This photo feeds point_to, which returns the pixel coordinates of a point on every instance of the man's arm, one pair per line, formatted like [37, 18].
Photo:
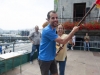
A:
[67, 38]
[30, 37]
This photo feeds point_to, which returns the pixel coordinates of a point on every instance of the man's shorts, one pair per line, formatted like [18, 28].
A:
[46, 66]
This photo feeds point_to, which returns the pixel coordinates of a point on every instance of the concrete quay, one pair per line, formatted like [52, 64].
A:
[78, 63]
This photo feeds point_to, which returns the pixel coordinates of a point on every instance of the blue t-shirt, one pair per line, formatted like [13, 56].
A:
[47, 50]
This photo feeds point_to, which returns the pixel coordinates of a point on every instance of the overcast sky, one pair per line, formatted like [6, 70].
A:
[23, 14]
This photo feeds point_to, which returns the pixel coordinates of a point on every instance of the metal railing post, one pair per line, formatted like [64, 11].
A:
[13, 47]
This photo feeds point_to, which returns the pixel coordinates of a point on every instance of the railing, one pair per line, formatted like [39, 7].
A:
[88, 19]
[12, 47]
[15, 55]
[20, 46]
[92, 44]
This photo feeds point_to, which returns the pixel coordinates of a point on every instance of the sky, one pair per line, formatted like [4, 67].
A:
[24, 14]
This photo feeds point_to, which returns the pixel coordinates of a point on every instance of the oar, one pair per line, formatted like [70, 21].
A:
[86, 14]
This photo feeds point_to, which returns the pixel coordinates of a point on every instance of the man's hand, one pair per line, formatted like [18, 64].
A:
[75, 29]
[32, 42]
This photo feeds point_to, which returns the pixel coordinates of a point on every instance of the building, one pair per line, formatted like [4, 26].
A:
[73, 11]
[24, 33]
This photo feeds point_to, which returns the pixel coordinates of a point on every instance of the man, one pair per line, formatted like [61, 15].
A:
[47, 51]
[35, 39]
[86, 42]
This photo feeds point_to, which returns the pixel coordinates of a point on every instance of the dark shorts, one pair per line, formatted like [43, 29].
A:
[46, 66]
[69, 46]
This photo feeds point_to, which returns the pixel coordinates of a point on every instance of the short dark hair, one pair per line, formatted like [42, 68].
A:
[48, 15]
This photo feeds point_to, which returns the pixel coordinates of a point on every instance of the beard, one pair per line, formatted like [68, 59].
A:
[55, 24]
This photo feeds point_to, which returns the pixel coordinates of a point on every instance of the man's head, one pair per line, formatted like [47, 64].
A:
[36, 28]
[86, 34]
[52, 18]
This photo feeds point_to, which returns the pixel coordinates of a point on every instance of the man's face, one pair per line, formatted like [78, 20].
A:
[36, 28]
[86, 34]
[53, 19]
